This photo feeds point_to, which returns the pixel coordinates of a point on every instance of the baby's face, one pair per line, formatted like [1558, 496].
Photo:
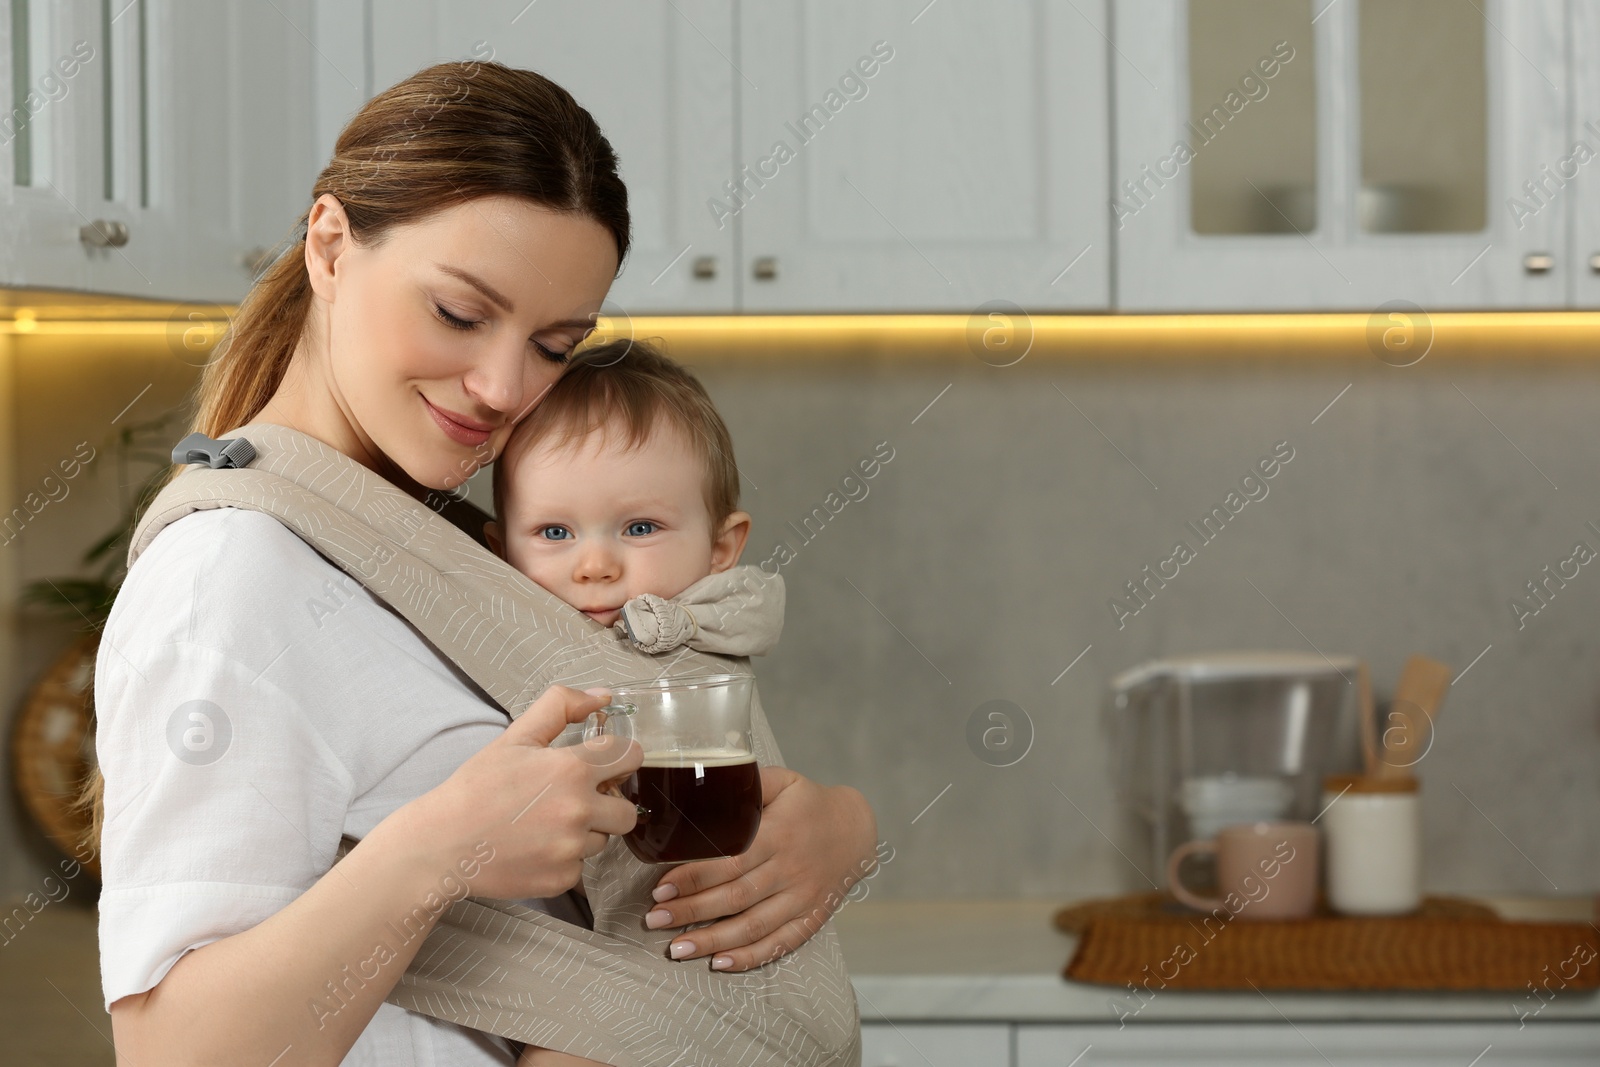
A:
[596, 525]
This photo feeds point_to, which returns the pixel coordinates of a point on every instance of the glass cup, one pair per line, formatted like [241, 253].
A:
[698, 791]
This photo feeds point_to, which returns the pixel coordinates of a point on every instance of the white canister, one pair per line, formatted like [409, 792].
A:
[1373, 830]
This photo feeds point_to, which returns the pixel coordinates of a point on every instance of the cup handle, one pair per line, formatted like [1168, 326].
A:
[614, 720]
[1175, 883]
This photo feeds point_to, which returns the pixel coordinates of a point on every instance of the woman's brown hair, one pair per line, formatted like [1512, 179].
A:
[448, 134]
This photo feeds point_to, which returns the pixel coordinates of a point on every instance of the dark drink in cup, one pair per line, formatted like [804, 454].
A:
[699, 789]
[699, 805]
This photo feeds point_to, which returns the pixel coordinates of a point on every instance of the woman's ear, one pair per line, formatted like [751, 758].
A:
[327, 235]
[491, 534]
[728, 545]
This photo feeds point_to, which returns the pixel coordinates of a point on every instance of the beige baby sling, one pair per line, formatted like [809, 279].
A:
[610, 994]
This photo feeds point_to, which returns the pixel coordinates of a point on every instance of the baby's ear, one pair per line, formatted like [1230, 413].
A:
[491, 534]
[729, 543]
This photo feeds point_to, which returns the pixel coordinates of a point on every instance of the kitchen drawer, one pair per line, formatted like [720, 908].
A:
[935, 1045]
[1435, 1044]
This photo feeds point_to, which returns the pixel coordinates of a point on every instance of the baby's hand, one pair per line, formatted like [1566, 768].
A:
[534, 1056]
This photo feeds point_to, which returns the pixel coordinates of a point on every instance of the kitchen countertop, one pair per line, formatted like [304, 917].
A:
[1001, 961]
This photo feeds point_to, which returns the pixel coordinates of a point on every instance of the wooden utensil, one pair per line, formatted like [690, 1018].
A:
[1369, 724]
[1408, 729]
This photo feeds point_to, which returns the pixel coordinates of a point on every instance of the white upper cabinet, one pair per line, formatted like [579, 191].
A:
[1578, 168]
[916, 156]
[152, 149]
[53, 152]
[1340, 154]
[656, 76]
[835, 156]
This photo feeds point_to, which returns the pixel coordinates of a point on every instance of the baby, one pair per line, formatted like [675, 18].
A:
[619, 494]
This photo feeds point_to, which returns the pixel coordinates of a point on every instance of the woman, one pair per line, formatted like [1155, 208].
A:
[459, 246]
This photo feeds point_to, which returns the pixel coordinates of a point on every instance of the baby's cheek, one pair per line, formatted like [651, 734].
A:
[541, 567]
[672, 569]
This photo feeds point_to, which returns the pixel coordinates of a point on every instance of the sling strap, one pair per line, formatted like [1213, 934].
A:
[609, 994]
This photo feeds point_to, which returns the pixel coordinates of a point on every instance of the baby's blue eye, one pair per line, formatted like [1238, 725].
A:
[641, 529]
[555, 533]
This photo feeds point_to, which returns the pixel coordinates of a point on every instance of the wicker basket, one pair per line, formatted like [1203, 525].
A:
[52, 748]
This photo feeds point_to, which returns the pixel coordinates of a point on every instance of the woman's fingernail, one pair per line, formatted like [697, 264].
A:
[658, 918]
[681, 949]
[664, 892]
[722, 963]
[598, 691]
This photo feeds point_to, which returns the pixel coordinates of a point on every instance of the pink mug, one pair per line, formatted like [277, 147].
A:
[1265, 870]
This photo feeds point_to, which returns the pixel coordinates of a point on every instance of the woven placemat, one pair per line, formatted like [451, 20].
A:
[1075, 918]
[1447, 945]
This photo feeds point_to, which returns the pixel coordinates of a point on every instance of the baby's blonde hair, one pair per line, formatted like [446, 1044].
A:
[633, 385]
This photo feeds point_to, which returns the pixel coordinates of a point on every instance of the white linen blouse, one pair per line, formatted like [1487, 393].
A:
[254, 703]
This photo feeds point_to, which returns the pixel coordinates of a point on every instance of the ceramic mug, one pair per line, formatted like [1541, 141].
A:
[1374, 828]
[1265, 870]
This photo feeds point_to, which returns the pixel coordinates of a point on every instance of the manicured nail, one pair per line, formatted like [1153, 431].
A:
[722, 963]
[681, 949]
[599, 691]
[658, 918]
[664, 892]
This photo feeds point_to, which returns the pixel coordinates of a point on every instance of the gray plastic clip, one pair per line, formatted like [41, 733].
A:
[198, 448]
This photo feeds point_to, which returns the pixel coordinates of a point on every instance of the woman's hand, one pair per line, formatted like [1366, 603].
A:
[518, 818]
[815, 842]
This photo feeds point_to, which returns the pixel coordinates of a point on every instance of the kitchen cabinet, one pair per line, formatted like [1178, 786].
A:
[152, 149]
[819, 156]
[658, 77]
[1416, 1044]
[922, 157]
[932, 976]
[934, 1044]
[1579, 167]
[1431, 1044]
[826, 156]
[1323, 155]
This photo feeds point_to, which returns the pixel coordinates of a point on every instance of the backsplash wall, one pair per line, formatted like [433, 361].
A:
[985, 557]
[1007, 506]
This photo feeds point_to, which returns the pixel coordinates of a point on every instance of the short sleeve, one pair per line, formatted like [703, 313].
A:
[254, 705]
[222, 806]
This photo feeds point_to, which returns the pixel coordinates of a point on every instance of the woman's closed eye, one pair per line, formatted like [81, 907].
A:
[456, 322]
[642, 528]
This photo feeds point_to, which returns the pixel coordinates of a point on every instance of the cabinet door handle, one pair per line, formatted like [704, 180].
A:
[1538, 262]
[705, 267]
[104, 233]
[765, 268]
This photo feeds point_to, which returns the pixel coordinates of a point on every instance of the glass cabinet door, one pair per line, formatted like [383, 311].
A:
[48, 145]
[1423, 82]
[1255, 167]
[150, 145]
[1339, 154]
[1575, 175]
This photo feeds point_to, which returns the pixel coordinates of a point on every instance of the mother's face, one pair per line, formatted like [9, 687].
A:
[442, 336]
